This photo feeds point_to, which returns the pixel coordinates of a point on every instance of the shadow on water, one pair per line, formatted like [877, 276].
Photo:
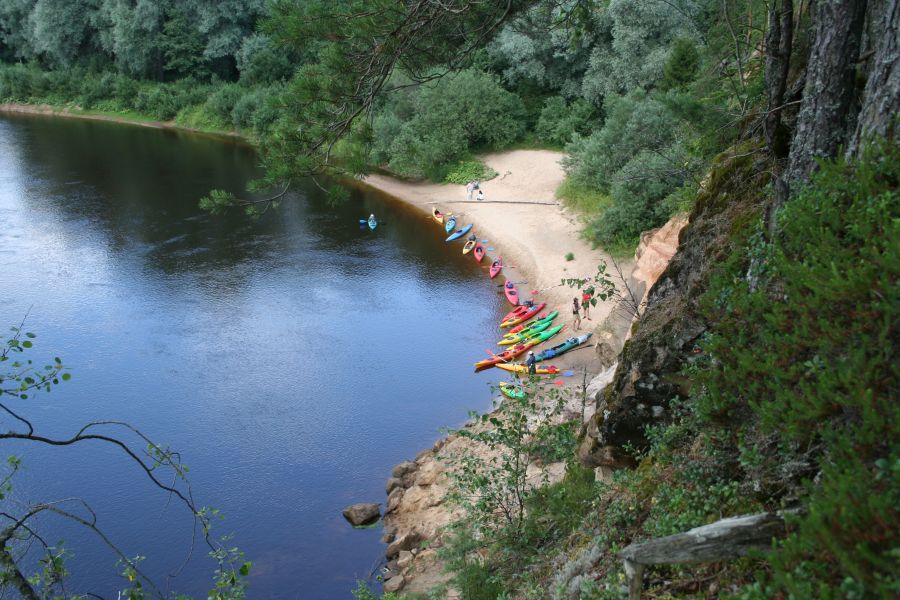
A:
[293, 359]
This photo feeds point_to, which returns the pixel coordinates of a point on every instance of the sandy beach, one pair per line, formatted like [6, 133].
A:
[527, 227]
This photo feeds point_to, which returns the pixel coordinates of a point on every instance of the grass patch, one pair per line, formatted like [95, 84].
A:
[587, 200]
[570, 256]
[467, 170]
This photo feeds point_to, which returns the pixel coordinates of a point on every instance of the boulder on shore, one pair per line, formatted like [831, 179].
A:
[361, 514]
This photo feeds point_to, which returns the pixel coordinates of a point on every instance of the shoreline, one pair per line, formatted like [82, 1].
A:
[533, 238]
[50, 110]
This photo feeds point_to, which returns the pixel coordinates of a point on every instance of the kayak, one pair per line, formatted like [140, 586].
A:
[511, 390]
[437, 215]
[496, 267]
[459, 233]
[468, 247]
[523, 368]
[525, 335]
[505, 356]
[478, 252]
[572, 342]
[516, 350]
[528, 331]
[373, 223]
[512, 294]
[526, 325]
[450, 224]
[522, 313]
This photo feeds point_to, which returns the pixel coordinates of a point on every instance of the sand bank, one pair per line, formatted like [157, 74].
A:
[532, 239]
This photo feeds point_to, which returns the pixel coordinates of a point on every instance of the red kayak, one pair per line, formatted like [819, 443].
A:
[496, 267]
[522, 313]
[478, 252]
[505, 356]
[512, 294]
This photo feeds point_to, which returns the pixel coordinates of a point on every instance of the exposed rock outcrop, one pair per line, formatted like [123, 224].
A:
[663, 340]
[362, 514]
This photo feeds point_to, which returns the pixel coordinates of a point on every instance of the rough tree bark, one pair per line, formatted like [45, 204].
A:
[881, 98]
[828, 93]
[779, 39]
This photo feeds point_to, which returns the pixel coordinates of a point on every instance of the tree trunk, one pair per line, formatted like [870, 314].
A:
[881, 98]
[822, 122]
[779, 39]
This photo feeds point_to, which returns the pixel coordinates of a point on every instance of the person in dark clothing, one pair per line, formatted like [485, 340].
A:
[530, 362]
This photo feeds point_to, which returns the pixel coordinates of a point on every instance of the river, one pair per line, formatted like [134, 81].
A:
[291, 359]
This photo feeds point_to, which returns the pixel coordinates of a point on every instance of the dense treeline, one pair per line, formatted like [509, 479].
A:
[638, 94]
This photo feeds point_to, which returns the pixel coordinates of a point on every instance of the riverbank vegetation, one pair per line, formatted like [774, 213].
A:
[771, 387]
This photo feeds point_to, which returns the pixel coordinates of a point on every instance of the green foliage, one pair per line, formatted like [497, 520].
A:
[682, 66]
[802, 340]
[364, 592]
[259, 61]
[441, 123]
[182, 47]
[559, 121]
[570, 256]
[494, 491]
[586, 200]
[469, 170]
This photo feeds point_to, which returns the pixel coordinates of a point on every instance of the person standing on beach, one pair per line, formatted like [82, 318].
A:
[470, 187]
[586, 304]
[576, 314]
[530, 363]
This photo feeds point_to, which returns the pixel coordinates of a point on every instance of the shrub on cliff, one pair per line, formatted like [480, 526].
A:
[802, 342]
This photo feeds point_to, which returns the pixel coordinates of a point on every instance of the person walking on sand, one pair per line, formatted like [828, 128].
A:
[586, 305]
[530, 363]
[576, 315]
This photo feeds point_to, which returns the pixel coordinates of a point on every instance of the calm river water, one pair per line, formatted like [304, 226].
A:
[292, 359]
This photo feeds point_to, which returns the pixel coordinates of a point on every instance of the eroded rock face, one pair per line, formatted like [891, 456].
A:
[405, 542]
[362, 514]
[648, 374]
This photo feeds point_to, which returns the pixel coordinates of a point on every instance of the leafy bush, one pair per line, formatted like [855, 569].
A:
[259, 61]
[469, 170]
[558, 121]
[442, 122]
[221, 103]
[634, 123]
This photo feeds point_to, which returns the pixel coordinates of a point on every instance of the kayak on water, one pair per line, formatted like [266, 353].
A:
[478, 252]
[496, 267]
[459, 233]
[511, 390]
[438, 215]
[523, 368]
[512, 294]
[450, 224]
[570, 343]
[522, 313]
[468, 247]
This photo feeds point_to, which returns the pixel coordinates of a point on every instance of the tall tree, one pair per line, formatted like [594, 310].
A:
[829, 90]
[881, 98]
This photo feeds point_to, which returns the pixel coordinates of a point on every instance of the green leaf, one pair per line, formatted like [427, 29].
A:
[66, 376]
[245, 568]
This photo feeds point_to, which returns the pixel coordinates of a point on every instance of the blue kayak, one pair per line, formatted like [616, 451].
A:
[572, 342]
[372, 223]
[459, 233]
[450, 224]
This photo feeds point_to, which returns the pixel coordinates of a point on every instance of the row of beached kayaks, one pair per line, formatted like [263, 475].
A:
[527, 325]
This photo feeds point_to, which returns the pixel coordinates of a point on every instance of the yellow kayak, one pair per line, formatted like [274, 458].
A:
[469, 245]
[521, 368]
